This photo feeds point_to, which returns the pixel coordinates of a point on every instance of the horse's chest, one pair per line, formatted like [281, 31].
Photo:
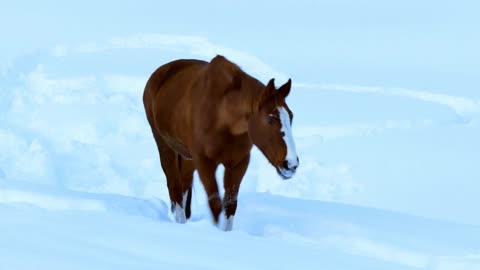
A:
[229, 149]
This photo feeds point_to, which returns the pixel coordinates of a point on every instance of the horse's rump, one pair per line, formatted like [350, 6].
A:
[167, 103]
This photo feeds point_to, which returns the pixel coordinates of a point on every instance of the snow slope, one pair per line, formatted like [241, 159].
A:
[46, 228]
[81, 188]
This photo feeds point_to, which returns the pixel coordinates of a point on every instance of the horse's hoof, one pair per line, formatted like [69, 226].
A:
[179, 214]
[228, 224]
[225, 224]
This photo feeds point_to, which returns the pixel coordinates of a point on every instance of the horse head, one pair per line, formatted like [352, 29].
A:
[270, 129]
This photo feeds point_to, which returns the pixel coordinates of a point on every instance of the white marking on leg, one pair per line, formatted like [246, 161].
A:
[179, 213]
[291, 157]
[184, 200]
[228, 224]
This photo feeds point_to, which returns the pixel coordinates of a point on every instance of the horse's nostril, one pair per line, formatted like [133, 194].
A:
[287, 166]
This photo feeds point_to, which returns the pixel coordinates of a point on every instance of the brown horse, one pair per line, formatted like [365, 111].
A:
[203, 114]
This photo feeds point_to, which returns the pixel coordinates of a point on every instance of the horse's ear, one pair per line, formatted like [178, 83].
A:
[269, 90]
[271, 84]
[284, 90]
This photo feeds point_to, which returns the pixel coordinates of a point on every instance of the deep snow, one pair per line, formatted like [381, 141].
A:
[45, 228]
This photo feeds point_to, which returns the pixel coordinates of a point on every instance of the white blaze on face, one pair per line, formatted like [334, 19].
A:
[291, 157]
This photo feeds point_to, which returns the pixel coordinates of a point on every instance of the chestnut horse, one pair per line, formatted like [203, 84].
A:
[203, 114]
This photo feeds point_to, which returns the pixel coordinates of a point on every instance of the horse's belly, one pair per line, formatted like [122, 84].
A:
[228, 150]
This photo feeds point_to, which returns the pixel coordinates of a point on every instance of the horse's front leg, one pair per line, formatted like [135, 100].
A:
[206, 171]
[232, 180]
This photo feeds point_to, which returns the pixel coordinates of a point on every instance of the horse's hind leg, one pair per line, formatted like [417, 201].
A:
[170, 166]
[168, 160]
[187, 168]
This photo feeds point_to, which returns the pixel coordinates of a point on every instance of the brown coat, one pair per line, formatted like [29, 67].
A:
[203, 114]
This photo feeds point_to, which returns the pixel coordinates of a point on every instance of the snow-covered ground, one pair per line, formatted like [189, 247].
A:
[51, 229]
[81, 185]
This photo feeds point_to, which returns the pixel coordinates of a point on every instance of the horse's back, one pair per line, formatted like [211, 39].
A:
[168, 71]
[171, 81]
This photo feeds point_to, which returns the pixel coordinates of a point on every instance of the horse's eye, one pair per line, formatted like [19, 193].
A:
[271, 119]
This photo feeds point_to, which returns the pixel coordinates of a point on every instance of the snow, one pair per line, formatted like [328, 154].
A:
[59, 229]
[386, 132]
[81, 188]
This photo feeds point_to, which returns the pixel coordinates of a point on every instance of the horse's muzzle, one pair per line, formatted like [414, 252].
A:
[285, 174]
[288, 169]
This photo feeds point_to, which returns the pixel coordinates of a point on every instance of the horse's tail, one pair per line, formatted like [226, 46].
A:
[188, 209]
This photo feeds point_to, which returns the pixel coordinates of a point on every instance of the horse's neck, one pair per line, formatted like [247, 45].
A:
[239, 126]
[236, 108]
[252, 95]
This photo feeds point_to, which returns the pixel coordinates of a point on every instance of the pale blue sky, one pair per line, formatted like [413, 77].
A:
[410, 142]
